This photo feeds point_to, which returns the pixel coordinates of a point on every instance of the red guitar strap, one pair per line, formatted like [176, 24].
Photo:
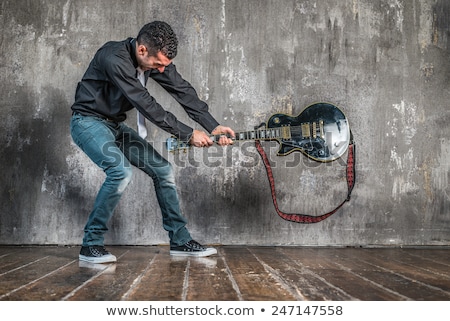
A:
[304, 218]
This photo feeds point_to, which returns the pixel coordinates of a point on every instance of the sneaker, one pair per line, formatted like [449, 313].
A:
[192, 248]
[96, 254]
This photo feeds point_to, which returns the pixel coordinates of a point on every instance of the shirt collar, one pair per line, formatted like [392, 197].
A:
[132, 42]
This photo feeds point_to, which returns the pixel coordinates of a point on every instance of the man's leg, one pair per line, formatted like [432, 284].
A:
[96, 137]
[142, 155]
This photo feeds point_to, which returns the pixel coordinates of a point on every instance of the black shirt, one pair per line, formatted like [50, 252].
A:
[110, 88]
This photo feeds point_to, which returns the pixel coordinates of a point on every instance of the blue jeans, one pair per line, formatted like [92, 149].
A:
[114, 147]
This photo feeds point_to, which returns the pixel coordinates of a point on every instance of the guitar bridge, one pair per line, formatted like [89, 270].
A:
[313, 129]
[321, 129]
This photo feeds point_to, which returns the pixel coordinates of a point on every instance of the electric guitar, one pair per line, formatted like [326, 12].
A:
[320, 131]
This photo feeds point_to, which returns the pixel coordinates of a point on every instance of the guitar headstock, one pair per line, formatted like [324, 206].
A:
[173, 145]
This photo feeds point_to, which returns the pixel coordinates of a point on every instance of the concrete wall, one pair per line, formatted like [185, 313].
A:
[385, 63]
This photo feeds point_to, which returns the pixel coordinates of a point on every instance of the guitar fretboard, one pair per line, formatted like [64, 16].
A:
[283, 132]
[305, 130]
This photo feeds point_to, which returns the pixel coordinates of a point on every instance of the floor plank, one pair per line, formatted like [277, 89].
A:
[163, 280]
[33, 267]
[252, 280]
[114, 282]
[302, 280]
[389, 261]
[237, 273]
[388, 280]
[209, 280]
[325, 267]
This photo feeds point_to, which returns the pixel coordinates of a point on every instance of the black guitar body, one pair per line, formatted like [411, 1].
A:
[320, 131]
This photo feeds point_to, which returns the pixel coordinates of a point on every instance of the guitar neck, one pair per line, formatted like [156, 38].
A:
[283, 132]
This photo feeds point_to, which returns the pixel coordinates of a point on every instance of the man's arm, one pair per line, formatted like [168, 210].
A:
[183, 92]
[122, 74]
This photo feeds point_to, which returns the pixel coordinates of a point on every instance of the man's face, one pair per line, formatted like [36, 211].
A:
[146, 62]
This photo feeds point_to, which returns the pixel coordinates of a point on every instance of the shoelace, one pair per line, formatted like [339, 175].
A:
[98, 251]
[195, 245]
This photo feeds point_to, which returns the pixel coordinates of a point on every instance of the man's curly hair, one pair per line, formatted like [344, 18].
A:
[158, 36]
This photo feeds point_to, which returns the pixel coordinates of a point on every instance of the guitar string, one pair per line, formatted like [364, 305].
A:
[245, 136]
[264, 135]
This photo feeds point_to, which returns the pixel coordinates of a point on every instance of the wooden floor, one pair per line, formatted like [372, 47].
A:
[236, 273]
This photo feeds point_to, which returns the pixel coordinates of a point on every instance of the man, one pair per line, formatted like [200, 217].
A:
[113, 84]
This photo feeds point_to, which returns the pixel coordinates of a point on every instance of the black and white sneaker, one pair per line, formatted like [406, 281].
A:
[96, 254]
[192, 248]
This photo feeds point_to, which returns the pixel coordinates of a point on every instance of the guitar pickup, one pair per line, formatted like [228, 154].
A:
[286, 132]
[306, 130]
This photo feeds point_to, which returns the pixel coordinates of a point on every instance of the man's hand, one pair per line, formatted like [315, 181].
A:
[227, 135]
[201, 139]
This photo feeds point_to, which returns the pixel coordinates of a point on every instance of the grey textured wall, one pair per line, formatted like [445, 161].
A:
[385, 63]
